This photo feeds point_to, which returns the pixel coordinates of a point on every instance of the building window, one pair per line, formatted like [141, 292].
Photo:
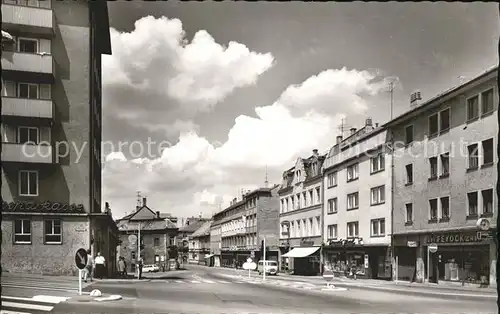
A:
[409, 173]
[53, 234]
[409, 134]
[352, 229]
[332, 232]
[26, 90]
[378, 195]
[433, 209]
[318, 195]
[28, 135]
[487, 201]
[472, 108]
[472, 204]
[433, 125]
[332, 179]
[352, 201]
[318, 223]
[473, 156]
[332, 205]
[22, 231]
[304, 196]
[27, 45]
[487, 151]
[487, 102]
[157, 242]
[352, 172]
[311, 197]
[378, 227]
[132, 255]
[445, 164]
[433, 167]
[377, 163]
[28, 183]
[444, 120]
[409, 213]
[157, 259]
[445, 208]
[298, 201]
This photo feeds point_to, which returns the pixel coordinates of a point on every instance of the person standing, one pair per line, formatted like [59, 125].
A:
[140, 267]
[121, 266]
[100, 262]
[89, 268]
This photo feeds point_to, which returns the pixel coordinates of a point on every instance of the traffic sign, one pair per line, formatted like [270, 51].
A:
[132, 238]
[249, 266]
[433, 247]
[81, 258]
[249, 260]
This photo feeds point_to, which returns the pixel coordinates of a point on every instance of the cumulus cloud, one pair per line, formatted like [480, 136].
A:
[157, 79]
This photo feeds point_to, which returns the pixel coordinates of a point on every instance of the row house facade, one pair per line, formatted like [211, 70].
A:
[445, 176]
[357, 204]
[215, 245]
[51, 104]
[300, 217]
[199, 245]
[244, 224]
[187, 227]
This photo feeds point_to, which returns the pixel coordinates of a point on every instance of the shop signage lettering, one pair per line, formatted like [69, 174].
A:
[305, 242]
[455, 238]
[348, 242]
[46, 206]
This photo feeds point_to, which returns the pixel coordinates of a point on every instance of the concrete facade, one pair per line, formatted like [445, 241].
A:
[440, 208]
[73, 36]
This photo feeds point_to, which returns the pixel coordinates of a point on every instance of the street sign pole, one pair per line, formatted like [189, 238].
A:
[81, 258]
[79, 281]
[428, 267]
[138, 256]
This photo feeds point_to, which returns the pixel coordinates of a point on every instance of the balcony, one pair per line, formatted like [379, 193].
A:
[37, 64]
[33, 20]
[27, 108]
[39, 154]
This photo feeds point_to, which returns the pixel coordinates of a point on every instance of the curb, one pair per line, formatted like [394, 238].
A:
[88, 298]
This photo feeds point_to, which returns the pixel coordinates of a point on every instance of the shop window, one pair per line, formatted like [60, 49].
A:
[409, 213]
[53, 231]
[487, 102]
[409, 174]
[445, 208]
[445, 164]
[377, 163]
[487, 201]
[433, 167]
[28, 183]
[473, 156]
[487, 151]
[409, 134]
[378, 195]
[472, 108]
[352, 201]
[433, 210]
[378, 227]
[22, 231]
[332, 179]
[332, 205]
[444, 120]
[332, 232]
[472, 204]
[352, 229]
[433, 125]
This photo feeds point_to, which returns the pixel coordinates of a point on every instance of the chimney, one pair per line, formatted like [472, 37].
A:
[415, 99]
[353, 130]
[368, 122]
[143, 201]
[158, 214]
[315, 152]
[376, 125]
[339, 139]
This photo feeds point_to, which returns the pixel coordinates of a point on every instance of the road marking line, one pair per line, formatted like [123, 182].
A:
[50, 298]
[195, 281]
[28, 306]
[179, 281]
[208, 281]
[34, 299]
[37, 288]
[12, 312]
[222, 281]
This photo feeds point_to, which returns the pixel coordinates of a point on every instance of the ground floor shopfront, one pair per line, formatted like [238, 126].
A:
[467, 256]
[348, 256]
[236, 258]
[301, 256]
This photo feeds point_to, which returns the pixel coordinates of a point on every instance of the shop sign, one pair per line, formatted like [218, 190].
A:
[346, 242]
[366, 261]
[46, 206]
[412, 244]
[455, 238]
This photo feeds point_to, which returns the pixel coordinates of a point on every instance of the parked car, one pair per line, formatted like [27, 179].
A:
[271, 267]
[150, 269]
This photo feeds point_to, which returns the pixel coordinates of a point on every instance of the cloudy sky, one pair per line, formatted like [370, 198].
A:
[219, 91]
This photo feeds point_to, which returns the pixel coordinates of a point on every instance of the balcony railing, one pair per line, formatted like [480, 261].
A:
[28, 19]
[28, 62]
[30, 108]
[14, 152]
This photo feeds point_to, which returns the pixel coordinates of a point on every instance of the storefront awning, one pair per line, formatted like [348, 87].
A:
[208, 256]
[301, 252]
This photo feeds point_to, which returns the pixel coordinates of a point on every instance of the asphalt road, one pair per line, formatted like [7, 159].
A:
[203, 290]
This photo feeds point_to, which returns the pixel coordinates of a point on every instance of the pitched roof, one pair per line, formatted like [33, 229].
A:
[192, 224]
[159, 224]
[204, 230]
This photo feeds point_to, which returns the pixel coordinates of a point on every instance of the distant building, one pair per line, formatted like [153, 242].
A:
[191, 224]
[199, 245]
[157, 237]
[301, 201]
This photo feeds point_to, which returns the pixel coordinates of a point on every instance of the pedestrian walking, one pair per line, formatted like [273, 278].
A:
[121, 266]
[89, 268]
[100, 263]
[140, 264]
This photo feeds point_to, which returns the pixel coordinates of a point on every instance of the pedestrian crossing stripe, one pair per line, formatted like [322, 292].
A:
[20, 305]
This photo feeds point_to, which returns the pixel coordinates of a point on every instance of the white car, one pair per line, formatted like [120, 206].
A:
[150, 269]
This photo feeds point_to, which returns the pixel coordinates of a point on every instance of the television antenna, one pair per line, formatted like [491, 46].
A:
[343, 127]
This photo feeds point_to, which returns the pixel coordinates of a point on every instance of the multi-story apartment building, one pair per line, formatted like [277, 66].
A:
[199, 245]
[444, 185]
[215, 245]
[188, 227]
[245, 223]
[157, 235]
[301, 199]
[357, 203]
[51, 134]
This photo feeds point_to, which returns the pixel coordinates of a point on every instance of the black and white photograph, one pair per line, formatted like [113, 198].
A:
[249, 157]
